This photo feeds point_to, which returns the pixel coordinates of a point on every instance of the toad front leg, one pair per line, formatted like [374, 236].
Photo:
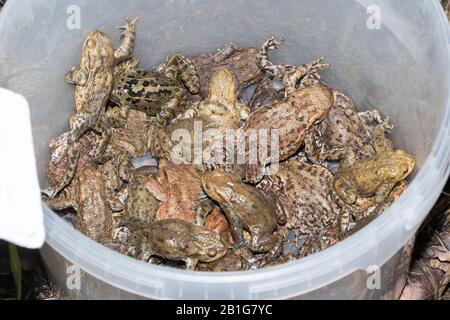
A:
[226, 52]
[171, 109]
[79, 123]
[374, 116]
[303, 75]
[128, 36]
[77, 76]
[274, 250]
[266, 243]
[237, 229]
[64, 201]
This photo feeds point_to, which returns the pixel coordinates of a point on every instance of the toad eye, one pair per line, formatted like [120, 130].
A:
[211, 252]
[91, 43]
[405, 170]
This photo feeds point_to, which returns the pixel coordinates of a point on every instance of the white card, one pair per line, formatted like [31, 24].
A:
[21, 217]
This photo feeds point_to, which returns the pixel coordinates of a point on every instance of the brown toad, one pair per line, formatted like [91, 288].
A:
[229, 262]
[304, 190]
[181, 240]
[209, 119]
[221, 105]
[376, 176]
[58, 166]
[179, 189]
[59, 161]
[365, 210]
[94, 216]
[247, 209]
[93, 82]
[241, 63]
[345, 128]
[320, 241]
[141, 205]
[128, 141]
[290, 120]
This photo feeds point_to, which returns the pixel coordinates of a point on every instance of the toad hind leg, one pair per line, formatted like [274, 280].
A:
[273, 253]
[181, 67]
[383, 192]
[374, 116]
[262, 57]
[73, 154]
[129, 66]
[128, 36]
[306, 74]
[168, 111]
[101, 152]
[113, 200]
[126, 168]
[237, 230]
[100, 147]
[203, 210]
[225, 53]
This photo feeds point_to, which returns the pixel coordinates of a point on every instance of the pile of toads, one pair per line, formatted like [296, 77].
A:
[239, 183]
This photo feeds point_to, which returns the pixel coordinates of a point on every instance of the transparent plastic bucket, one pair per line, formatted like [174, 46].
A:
[400, 66]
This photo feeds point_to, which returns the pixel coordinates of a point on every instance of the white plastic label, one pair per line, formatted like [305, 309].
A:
[21, 217]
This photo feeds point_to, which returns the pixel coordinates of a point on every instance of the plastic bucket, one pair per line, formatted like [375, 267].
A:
[385, 54]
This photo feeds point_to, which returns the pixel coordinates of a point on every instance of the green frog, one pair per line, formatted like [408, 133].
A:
[246, 208]
[157, 94]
